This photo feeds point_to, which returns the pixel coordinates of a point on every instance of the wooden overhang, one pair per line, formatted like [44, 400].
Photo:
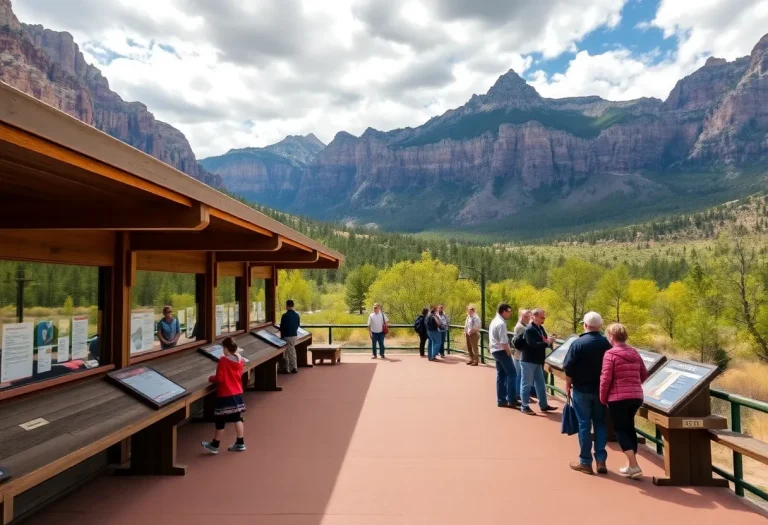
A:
[58, 173]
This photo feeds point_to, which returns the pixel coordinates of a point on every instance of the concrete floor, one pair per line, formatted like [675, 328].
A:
[395, 442]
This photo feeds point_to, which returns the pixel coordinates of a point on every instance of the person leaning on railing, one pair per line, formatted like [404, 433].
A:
[472, 335]
[621, 388]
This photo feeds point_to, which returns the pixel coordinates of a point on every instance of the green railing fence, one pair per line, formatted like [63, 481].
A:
[735, 402]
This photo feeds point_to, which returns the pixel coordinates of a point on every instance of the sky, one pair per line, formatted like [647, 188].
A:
[246, 73]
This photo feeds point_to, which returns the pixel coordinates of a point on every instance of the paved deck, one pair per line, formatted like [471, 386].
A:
[391, 443]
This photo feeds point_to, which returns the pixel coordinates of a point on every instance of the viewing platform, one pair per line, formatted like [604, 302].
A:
[396, 442]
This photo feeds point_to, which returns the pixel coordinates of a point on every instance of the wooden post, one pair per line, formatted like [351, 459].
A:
[244, 297]
[209, 302]
[265, 376]
[153, 450]
[123, 277]
[270, 297]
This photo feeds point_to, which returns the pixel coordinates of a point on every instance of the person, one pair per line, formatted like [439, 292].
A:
[168, 329]
[420, 327]
[377, 321]
[498, 341]
[583, 365]
[289, 329]
[433, 332]
[621, 388]
[523, 319]
[229, 397]
[532, 363]
[472, 335]
[443, 328]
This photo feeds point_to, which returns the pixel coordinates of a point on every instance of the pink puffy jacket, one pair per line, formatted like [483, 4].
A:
[623, 374]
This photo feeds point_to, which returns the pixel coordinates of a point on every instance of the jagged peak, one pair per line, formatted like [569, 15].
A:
[510, 83]
[714, 61]
[761, 46]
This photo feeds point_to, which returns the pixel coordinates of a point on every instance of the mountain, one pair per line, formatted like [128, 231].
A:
[49, 66]
[276, 169]
[514, 161]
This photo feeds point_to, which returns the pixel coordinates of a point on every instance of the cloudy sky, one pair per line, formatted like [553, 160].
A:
[236, 73]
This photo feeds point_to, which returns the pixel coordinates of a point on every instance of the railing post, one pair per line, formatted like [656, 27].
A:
[482, 347]
[659, 441]
[738, 467]
[330, 335]
[448, 340]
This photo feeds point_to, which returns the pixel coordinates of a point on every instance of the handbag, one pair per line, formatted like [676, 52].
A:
[570, 423]
[384, 322]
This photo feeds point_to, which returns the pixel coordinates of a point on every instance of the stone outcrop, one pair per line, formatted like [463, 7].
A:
[49, 66]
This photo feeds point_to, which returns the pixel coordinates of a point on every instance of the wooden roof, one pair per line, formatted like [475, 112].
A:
[59, 173]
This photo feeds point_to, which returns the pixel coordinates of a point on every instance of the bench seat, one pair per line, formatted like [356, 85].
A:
[742, 443]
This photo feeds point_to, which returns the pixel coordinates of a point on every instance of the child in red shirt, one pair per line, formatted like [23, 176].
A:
[229, 399]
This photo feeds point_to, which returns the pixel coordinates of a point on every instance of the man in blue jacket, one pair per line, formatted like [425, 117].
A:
[583, 364]
[289, 329]
[532, 363]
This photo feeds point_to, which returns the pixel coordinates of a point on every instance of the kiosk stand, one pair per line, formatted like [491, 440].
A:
[677, 402]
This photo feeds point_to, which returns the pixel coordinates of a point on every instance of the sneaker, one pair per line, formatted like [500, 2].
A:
[528, 411]
[502, 405]
[514, 404]
[210, 448]
[580, 467]
[469, 363]
[474, 364]
[631, 472]
[601, 468]
[374, 357]
[548, 409]
[237, 447]
[294, 371]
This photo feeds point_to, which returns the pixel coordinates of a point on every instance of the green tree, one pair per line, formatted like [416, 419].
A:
[293, 285]
[358, 283]
[670, 308]
[612, 293]
[575, 282]
[69, 306]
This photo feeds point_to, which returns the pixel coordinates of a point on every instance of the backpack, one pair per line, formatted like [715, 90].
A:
[518, 341]
[418, 325]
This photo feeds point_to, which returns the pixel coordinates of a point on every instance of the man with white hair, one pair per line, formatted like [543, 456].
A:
[583, 365]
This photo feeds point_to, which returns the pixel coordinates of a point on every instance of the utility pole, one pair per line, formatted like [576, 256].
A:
[21, 281]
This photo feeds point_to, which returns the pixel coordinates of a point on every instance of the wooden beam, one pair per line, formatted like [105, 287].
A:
[86, 216]
[92, 248]
[281, 256]
[240, 222]
[296, 245]
[204, 241]
[320, 265]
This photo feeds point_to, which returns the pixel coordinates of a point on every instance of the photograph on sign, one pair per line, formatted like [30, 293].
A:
[270, 338]
[148, 384]
[674, 382]
[557, 357]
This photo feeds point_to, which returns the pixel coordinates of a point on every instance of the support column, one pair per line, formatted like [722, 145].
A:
[244, 298]
[208, 317]
[270, 297]
[123, 277]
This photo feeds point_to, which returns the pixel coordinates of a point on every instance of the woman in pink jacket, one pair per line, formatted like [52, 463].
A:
[621, 388]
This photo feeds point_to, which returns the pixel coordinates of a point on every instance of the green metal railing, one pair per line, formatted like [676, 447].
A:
[736, 402]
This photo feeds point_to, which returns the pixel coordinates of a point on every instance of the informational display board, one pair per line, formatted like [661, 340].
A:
[44, 333]
[652, 360]
[5, 474]
[557, 357]
[62, 344]
[219, 318]
[191, 321]
[148, 384]
[142, 331]
[269, 337]
[302, 333]
[80, 337]
[215, 352]
[675, 382]
[17, 355]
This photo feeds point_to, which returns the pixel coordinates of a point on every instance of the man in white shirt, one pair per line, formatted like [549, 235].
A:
[377, 322]
[472, 335]
[506, 377]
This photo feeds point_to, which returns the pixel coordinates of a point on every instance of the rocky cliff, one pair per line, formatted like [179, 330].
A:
[49, 66]
[510, 150]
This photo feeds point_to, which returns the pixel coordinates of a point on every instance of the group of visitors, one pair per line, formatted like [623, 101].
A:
[603, 371]
[432, 328]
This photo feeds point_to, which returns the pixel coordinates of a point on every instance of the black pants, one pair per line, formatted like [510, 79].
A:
[623, 417]
[422, 342]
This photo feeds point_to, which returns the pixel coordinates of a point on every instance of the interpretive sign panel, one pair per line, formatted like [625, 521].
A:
[80, 337]
[215, 352]
[5, 474]
[17, 353]
[557, 357]
[652, 360]
[269, 337]
[148, 384]
[675, 382]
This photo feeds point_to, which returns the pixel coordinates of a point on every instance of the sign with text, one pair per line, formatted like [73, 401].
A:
[269, 337]
[557, 357]
[652, 360]
[216, 352]
[675, 382]
[302, 333]
[148, 384]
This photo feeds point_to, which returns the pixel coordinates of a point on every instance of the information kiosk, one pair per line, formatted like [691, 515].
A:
[216, 352]
[148, 385]
[555, 360]
[269, 337]
[677, 401]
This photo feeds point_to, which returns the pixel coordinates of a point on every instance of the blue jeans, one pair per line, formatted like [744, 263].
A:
[444, 336]
[506, 378]
[519, 382]
[533, 377]
[590, 412]
[435, 339]
[377, 337]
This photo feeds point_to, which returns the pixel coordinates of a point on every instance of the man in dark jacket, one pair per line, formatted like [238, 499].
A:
[532, 363]
[583, 364]
[420, 327]
[289, 329]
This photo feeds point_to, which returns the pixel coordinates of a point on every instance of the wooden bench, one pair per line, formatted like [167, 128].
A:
[331, 352]
[741, 443]
[89, 417]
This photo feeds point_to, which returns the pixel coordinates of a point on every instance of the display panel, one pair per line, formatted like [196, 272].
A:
[5, 474]
[269, 337]
[652, 360]
[675, 382]
[557, 357]
[148, 384]
[216, 352]
[302, 333]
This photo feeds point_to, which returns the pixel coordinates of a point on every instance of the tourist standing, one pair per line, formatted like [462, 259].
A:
[289, 329]
[168, 329]
[377, 325]
[583, 365]
[229, 397]
[621, 388]
[532, 363]
[523, 319]
[420, 327]
[472, 335]
[433, 332]
[506, 377]
[443, 328]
